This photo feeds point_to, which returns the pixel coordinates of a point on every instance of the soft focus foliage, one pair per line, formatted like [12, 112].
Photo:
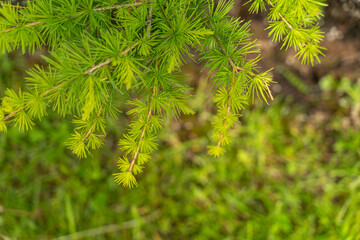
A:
[284, 178]
[289, 175]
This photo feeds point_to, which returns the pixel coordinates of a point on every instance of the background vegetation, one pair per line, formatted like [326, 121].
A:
[292, 173]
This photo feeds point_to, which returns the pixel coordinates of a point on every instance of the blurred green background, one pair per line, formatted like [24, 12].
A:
[293, 171]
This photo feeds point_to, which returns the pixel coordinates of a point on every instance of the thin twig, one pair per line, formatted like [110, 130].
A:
[52, 89]
[232, 64]
[93, 123]
[91, 70]
[20, 109]
[130, 48]
[282, 18]
[148, 29]
[108, 61]
[142, 133]
[117, 6]
[14, 112]
[15, 6]
[27, 25]
[235, 70]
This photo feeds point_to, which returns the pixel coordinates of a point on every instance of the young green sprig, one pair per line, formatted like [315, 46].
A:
[235, 76]
[294, 22]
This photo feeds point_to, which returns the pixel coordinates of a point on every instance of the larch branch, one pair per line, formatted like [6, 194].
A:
[108, 61]
[93, 123]
[282, 17]
[91, 70]
[117, 6]
[14, 112]
[20, 109]
[15, 6]
[235, 70]
[95, 9]
[148, 29]
[133, 160]
[252, 74]
[27, 25]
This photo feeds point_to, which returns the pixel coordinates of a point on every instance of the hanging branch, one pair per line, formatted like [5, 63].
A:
[229, 101]
[20, 109]
[282, 17]
[132, 163]
[235, 70]
[93, 123]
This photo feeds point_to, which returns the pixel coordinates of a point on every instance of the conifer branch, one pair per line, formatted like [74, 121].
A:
[27, 25]
[95, 9]
[252, 74]
[148, 29]
[15, 6]
[91, 70]
[52, 89]
[93, 123]
[108, 61]
[13, 113]
[282, 17]
[133, 160]
[130, 48]
[118, 6]
[235, 68]
[20, 109]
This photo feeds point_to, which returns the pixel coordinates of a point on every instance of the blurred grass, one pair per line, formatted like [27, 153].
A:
[292, 173]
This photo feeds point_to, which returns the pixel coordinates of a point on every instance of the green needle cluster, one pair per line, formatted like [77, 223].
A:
[295, 24]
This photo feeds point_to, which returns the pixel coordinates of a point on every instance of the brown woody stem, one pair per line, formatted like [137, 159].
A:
[118, 6]
[27, 25]
[15, 6]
